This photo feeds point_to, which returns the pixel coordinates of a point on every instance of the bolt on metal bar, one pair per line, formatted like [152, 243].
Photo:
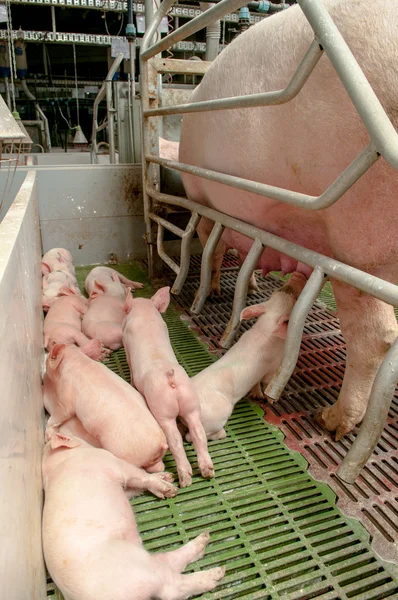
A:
[348, 177]
[240, 295]
[200, 22]
[295, 333]
[370, 284]
[296, 83]
[379, 126]
[205, 268]
[185, 253]
[372, 426]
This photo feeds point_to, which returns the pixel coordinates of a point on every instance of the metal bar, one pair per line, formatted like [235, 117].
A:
[53, 21]
[372, 426]
[100, 96]
[369, 108]
[298, 80]
[205, 268]
[46, 127]
[294, 86]
[348, 177]
[213, 14]
[376, 287]
[240, 295]
[165, 257]
[295, 333]
[185, 253]
[104, 125]
[167, 225]
[111, 122]
[174, 65]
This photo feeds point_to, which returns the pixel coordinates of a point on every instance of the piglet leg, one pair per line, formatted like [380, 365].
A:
[139, 480]
[185, 586]
[199, 440]
[176, 447]
[183, 556]
[94, 349]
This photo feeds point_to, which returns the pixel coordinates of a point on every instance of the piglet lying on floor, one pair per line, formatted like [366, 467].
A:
[164, 384]
[57, 259]
[104, 278]
[53, 283]
[108, 407]
[105, 314]
[255, 357]
[91, 544]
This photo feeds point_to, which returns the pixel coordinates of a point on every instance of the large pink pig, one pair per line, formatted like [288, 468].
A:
[107, 406]
[304, 145]
[164, 384]
[91, 544]
[104, 317]
[107, 280]
[254, 358]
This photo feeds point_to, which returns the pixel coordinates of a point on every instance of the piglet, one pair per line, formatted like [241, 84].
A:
[104, 317]
[103, 279]
[109, 409]
[52, 285]
[91, 544]
[164, 384]
[255, 357]
[57, 259]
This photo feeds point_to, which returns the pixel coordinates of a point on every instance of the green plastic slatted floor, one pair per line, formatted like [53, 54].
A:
[276, 529]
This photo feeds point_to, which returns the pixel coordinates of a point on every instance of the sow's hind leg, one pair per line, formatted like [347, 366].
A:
[369, 328]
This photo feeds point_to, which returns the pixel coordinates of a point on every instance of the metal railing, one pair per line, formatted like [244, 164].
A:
[105, 91]
[384, 142]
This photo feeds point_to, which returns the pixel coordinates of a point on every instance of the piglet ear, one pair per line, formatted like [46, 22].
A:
[60, 258]
[128, 302]
[65, 290]
[45, 268]
[162, 299]
[98, 287]
[115, 277]
[56, 355]
[46, 306]
[251, 312]
[280, 330]
[58, 440]
[93, 295]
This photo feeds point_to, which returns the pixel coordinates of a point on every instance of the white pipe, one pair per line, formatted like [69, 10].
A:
[213, 33]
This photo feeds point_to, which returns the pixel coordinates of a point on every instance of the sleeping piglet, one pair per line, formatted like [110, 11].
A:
[255, 357]
[108, 407]
[164, 384]
[91, 544]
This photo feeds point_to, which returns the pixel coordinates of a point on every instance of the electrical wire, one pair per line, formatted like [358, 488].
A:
[56, 93]
[121, 24]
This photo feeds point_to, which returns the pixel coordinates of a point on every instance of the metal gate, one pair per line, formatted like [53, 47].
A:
[384, 142]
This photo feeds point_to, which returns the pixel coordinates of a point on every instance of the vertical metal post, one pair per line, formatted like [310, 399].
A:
[185, 253]
[373, 424]
[295, 333]
[205, 268]
[240, 295]
[111, 123]
[53, 22]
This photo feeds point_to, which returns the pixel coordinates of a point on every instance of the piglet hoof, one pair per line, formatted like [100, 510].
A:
[160, 487]
[136, 285]
[213, 576]
[105, 354]
[166, 476]
[257, 391]
[341, 432]
[215, 289]
[201, 542]
[207, 470]
[185, 479]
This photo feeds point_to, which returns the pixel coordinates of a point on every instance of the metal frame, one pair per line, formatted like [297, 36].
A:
[384, 142]
[105, 92]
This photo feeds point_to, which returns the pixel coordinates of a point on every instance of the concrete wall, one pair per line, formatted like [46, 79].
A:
[91, 210]
[22, 574]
